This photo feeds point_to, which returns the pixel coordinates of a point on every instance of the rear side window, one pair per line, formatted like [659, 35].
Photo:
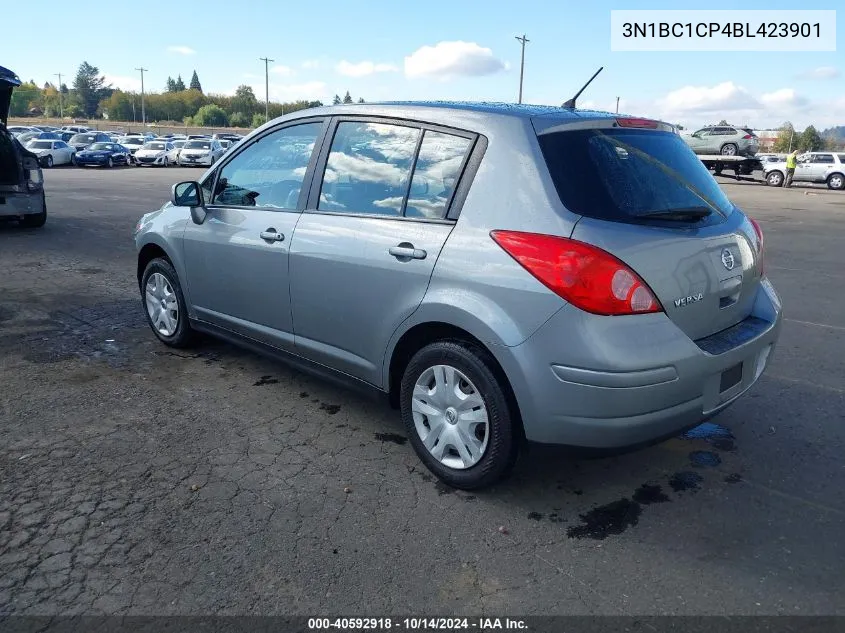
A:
[436, 173]
[368, 168]
[822, 158]
[624, 174]
[841, 158]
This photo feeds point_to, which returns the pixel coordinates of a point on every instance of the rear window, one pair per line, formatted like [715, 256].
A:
[624, 174]
[41, 145]
[84, 138]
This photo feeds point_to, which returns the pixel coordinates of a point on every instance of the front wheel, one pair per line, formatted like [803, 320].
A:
[110, 163]
[165, 305]
[456, 413]
[165, 162]
[836, 182]
[728, 149]
[774, 179]
[49, 161]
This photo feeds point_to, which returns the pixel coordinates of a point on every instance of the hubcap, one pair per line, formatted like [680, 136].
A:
[836, 182]
[450, 417]
[162, 306]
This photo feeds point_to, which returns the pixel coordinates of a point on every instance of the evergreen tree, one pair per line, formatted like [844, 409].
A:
[171, 85]
[360, 99]
[179, 85]
[90, 88]
[195, 82]
[336, 100]
[811, 140]
[347, 98]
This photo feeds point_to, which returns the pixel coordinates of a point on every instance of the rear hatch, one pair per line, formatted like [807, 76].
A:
[647, 199]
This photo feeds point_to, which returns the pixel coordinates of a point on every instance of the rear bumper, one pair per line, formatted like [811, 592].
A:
[19, 204]
[612, 382]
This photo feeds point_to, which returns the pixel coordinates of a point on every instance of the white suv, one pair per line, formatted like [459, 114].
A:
[822, 167]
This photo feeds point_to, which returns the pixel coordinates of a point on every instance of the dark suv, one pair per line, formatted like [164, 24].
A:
[21, 180]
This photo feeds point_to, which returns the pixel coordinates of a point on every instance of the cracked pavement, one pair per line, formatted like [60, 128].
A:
[139, 480]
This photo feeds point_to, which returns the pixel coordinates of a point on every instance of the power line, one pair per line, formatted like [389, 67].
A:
[143, 110]
[522, 40]
[266, 87]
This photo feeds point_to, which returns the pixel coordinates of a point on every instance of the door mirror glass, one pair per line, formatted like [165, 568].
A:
[186, 194]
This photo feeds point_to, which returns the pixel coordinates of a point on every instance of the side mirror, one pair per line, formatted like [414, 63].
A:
[189, 194]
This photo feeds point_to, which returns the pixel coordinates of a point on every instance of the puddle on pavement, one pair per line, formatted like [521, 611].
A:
[704, 459]
[391, 437]
[265, 380]
[609, 519]
[649, 493]
[685, 481]
[718, 436]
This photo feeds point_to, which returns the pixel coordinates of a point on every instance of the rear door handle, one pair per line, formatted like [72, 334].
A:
[406, 251]
[271, 235]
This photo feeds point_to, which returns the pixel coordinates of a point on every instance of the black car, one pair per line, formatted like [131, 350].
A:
[21, 181]
[105, 154]
[81, 141]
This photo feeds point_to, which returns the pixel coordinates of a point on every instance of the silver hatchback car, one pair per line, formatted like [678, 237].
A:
[503, 273]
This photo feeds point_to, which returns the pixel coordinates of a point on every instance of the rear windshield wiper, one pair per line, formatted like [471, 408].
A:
[684, 214]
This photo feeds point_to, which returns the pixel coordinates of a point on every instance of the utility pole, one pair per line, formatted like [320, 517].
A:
[143, 110]
[266, 87]
[522, 40]
[617, 105]
[61, 108]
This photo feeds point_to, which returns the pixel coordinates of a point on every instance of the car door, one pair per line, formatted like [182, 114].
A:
[237, 260]
[803, 168]
[819, 166]
[365, 247]
[698, 139]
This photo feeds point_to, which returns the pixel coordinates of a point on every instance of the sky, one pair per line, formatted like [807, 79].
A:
[457, 49]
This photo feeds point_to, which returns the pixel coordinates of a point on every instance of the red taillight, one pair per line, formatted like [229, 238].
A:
[585, 276]
[640, 123]
[759, 232]
[747, 136]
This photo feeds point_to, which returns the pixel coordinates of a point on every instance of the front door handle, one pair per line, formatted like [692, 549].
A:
[406, 251]
[271, 235]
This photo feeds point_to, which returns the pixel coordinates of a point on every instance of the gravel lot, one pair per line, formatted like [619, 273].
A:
[138, 480]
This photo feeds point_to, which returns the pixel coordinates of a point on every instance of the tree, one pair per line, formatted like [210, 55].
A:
[723, 122]
[211, 115]
[179, 85]
[239, 119]
[24, 97]
[360, 99]
[347, 97]
[90, 88]
[171, 85]
[811, 140]
[258, 120]
[336, 100]
[195, 82]
[244, 101]
[785, 141]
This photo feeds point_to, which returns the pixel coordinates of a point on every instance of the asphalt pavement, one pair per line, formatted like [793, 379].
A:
[135, 479]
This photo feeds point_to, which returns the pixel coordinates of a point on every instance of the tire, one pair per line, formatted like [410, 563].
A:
[774, 179]
[181, 335]
[165, 162]
[34, 221]
[471, 368]
[49, 161]
[728, 149]
[110, 163]
[836, 182]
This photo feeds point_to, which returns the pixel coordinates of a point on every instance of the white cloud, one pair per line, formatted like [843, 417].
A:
[284, 71]
[362, 69]
[783, 98]
[311, 64]
[181, 50]
[708, 100]
[127, 84]
[822, 72]
[445, 60]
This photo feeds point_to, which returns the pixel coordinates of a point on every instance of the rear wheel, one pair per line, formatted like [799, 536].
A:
[728, 149]
[49, 161]
[774, 179]
[836, 181]
[457, 415]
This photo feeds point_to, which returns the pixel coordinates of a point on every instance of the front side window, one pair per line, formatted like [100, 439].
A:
[270, 172]
[436, 172]
[368, 168]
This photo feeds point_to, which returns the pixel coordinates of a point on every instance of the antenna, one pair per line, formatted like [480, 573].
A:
[571, 103]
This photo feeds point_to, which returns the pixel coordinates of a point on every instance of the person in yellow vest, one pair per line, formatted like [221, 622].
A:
[791, 163]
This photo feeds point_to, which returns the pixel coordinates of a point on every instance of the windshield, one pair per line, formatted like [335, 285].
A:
[101, 146]
[84, 138]
[197, 145]
[156, 146]
[133, 141]
[178, 144]
[41, 145]
[622, 174]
